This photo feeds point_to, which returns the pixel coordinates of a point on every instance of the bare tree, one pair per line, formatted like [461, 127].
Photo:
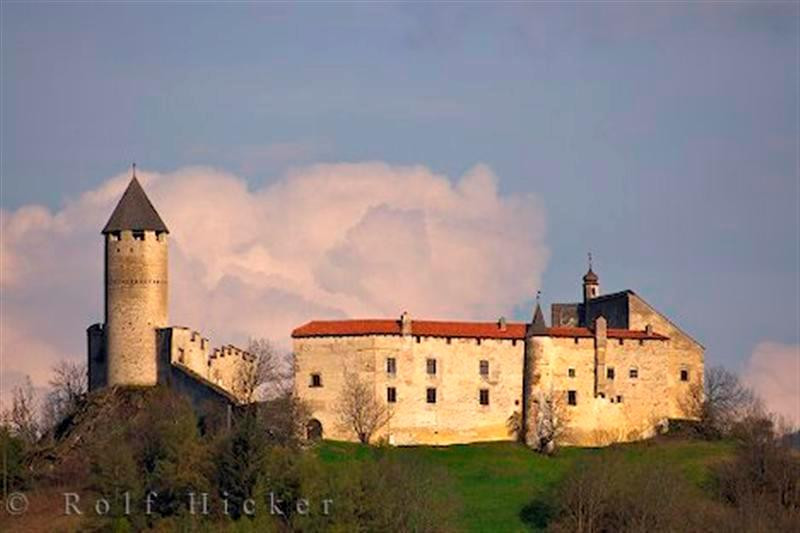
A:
[262, 376]
[22, 417]
[67, 387]
[359, 410]
[719, 402]
[552, 419]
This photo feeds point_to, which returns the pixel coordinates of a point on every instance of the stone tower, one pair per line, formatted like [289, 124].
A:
[136, 297]
[591, 284]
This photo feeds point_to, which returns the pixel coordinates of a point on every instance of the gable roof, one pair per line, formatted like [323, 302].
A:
[435, 328]
[134, 212]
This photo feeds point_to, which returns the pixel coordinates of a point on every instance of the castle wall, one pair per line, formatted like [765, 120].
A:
[188, 348]
[224, 367]
[97, 361]
[136, 304]
[457, 415]
[599, 420]
[682, 353]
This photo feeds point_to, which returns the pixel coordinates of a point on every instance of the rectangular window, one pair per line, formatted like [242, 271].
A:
[610, 372]
[431, 395]
[391, 394]
[316, 380]
[684, 375]
[571, 372]
[478, 341]
[419, 339]
[513, 342]
[576, 340]
[619, 399]
[484, 368]
[449, 340]
[484, 397]
[572, 397]
[391, 365]
[431, 365]
[633, 373]
[180, 355]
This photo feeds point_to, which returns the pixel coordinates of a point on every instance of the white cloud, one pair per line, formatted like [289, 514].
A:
[333, 240]
[773, 371]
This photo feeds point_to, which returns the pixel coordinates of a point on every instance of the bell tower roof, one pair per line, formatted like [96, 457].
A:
[134, 211]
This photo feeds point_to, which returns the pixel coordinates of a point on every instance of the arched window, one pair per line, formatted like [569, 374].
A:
[314, 429]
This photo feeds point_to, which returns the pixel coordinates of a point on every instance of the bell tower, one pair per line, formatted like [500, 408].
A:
[591, 283]
[136, 295]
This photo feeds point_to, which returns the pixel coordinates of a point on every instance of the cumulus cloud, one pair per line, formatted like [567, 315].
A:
[330, 240]
[773, 371]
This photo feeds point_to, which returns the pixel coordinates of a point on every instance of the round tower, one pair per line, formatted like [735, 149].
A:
[136, 298]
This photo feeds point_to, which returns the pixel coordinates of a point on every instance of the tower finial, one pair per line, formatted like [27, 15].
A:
[538, 296]
[134, 169]
[590, 260]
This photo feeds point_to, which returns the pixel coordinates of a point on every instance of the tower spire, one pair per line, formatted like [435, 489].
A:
[134, 177]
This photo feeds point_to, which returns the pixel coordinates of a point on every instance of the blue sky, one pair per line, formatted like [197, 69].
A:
[662, 137]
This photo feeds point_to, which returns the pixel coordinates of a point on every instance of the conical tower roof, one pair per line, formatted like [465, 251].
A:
[135, 212]
[538, 326]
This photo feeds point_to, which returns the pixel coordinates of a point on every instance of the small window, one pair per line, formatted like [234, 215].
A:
[431, 395]
[684, 375]
[449, 340]
[115, 236]
[484, 368]
[484, 397]
[571, 372]
[619, 398]
[391, 394]
[633, 373]
[419, 339]
[316, 380]
[641, 342]
[572, 397]
[576, 340]
[180, 355]
[621, 342]
[431, 365]
[391, 365]
[138, 235]
[513, 342]
[610, 372]
[478, 341]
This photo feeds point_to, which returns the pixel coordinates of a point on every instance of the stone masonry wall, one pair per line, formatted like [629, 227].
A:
[457, 415]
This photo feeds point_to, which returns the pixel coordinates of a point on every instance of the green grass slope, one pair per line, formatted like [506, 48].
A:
[498, 485]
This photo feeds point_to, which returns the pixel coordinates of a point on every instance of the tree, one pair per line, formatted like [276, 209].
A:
[67, 386]
[359, 410]
[719, 402]
[552, 419]
[22, 418]
[262, 376]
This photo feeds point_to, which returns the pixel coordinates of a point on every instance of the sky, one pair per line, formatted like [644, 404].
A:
[322, 161]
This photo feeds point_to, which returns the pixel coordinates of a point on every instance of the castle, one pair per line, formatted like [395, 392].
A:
[135, 346]
[616, 369]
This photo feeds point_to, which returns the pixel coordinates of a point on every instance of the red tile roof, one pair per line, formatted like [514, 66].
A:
[432, 328]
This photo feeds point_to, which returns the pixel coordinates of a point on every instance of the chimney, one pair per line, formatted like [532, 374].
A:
[501, 323]
[648, 329]
[405, 323]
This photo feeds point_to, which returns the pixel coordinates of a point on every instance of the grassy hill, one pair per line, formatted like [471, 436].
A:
[506, 487]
